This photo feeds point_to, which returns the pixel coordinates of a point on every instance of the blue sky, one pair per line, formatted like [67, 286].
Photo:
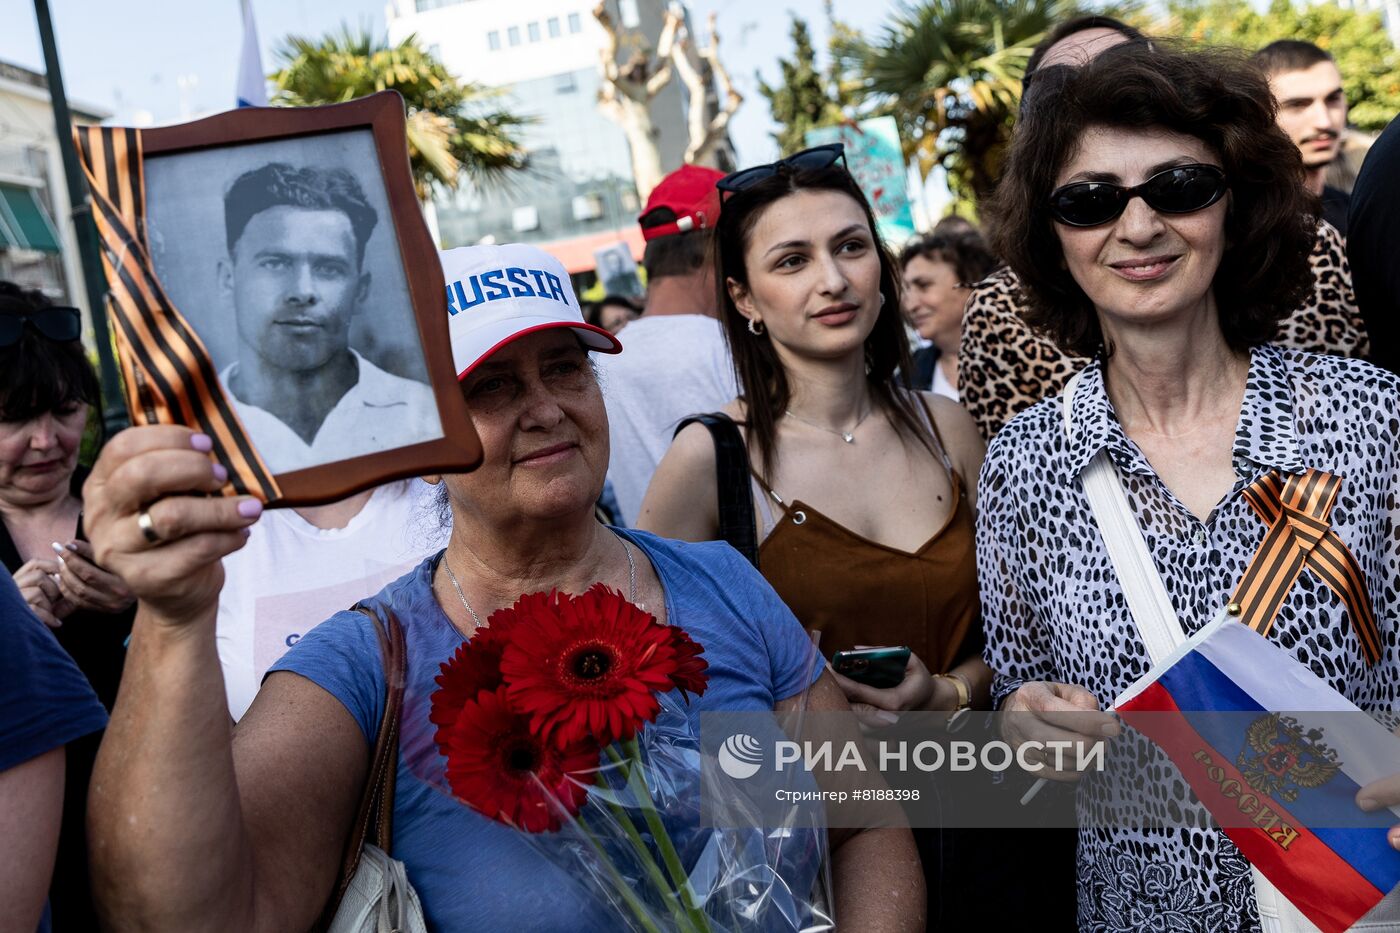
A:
[170, 60]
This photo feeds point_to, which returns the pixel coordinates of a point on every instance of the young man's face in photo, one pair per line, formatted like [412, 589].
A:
[296, 285]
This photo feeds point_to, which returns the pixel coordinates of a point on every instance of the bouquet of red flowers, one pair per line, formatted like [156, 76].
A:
[556, 718]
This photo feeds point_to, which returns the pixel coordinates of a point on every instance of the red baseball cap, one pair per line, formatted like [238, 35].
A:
[690, 193]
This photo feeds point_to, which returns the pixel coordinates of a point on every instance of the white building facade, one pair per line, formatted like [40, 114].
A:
[38, 248]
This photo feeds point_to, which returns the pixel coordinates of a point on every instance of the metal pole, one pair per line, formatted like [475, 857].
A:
[89, 249]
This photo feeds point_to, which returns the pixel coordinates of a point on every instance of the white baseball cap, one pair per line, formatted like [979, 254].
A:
[496, 294]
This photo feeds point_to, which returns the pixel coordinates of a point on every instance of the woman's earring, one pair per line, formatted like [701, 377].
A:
[756, 327]
[882, 299]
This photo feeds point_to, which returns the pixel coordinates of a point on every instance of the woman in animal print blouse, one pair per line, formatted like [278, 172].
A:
[1156, 220]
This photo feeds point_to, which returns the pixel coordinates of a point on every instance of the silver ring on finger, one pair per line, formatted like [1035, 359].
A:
[148, 530]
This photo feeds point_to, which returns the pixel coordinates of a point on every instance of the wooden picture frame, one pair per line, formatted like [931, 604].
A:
[309, 199]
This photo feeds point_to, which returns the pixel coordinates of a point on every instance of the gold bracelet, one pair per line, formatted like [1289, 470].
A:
[963, 688]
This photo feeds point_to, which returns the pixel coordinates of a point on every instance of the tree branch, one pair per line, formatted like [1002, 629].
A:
[705, 134]
[604, 18]
[665, 52]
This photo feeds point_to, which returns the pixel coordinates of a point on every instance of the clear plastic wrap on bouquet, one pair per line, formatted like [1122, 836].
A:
[641, 830]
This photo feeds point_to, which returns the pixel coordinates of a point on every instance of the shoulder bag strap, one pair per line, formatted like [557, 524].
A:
[1148, 603]
[374, 820]
[736, 515]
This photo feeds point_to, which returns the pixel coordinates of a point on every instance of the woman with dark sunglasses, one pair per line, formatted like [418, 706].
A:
[1156, 219]
[47, 390]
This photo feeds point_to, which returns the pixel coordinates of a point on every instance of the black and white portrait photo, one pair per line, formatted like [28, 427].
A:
[618, 270]
[282, 256]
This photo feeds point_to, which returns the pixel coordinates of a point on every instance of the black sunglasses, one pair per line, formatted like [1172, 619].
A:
[1179, 190]
[808, 160]
[56, 323]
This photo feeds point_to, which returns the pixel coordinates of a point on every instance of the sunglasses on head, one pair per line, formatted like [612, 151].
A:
[808, 160]
[1179, 190]
[60, 324]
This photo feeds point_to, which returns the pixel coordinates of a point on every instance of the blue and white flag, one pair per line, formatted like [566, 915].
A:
[252, 85]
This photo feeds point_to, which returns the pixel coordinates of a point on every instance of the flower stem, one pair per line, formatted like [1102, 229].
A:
[644, 856]
[669, 855]
[620, 883]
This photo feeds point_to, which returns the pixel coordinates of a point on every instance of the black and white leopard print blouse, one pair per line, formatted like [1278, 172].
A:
[1054, 610]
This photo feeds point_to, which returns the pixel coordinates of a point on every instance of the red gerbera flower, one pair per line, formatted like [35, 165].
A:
[591, 667]
[474, 667]
[503, 769]
[690, 676]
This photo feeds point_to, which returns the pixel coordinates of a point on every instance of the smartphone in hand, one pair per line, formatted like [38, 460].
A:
[874, 667]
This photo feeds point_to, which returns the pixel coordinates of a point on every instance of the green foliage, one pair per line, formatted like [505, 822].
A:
[805, 97]
[454, 127]
[949, 71]
[1368, 61]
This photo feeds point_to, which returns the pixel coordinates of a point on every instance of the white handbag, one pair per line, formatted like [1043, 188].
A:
[1152, 612]
[379, 898]
[374, 895]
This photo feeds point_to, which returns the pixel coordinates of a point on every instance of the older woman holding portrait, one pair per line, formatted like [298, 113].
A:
[1156, 218]
[250, 822]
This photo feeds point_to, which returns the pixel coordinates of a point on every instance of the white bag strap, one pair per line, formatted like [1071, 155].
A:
[1148, 603]
[1152, 612]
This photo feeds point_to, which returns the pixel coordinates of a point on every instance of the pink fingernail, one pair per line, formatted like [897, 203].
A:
[202, 443]
[220, 472]
[250, 508]
[1395, 838]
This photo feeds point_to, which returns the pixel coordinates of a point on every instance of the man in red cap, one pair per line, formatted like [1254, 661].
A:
[675, 362]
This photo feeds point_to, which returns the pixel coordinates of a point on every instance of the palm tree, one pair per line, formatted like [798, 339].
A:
[950, 71]
[454, 127]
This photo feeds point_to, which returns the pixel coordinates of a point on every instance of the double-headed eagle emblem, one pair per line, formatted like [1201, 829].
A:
[1286, 759]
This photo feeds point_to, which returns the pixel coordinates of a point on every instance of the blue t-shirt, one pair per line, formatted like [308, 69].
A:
[471, 872]
[45, 701]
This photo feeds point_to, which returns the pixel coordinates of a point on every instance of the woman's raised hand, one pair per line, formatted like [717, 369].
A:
[172, 564]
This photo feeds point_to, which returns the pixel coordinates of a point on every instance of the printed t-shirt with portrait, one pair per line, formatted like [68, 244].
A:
[291, 575]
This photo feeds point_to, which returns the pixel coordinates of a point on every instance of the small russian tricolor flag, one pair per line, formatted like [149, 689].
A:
[1281, 785]
[252, 84]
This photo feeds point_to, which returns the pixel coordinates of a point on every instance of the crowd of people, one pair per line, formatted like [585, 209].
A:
[800, 435]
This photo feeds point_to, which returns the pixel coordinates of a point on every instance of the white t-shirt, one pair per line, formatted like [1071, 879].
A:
[671, 366]
[291, 576]
[941, 385]
[380, 412]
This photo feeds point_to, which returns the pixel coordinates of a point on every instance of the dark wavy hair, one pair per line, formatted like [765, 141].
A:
[277, 183]
[1071, 26]
[37, 374]
[1211, 95]
[762, 379]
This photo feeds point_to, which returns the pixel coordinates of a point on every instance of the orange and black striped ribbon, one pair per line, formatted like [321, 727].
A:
[169, 377]
[1297, 510]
